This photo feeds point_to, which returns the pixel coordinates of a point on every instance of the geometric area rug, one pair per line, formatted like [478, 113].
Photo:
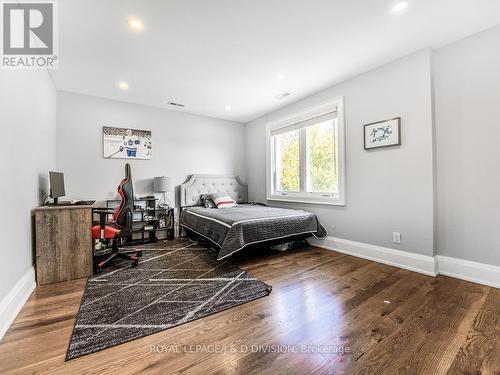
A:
[175, 283]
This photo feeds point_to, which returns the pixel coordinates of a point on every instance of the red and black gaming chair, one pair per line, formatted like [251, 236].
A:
[121, 225]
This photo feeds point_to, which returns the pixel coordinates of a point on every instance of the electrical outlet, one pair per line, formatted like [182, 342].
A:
[396, 237]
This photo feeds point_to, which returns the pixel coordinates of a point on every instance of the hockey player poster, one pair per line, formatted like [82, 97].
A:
[126, 143]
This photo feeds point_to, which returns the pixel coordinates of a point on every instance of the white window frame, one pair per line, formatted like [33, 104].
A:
[334, 105]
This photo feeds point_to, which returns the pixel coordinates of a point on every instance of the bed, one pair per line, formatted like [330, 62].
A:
[233, 229]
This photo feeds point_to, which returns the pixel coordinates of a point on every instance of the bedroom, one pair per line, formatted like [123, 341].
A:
[405, 277]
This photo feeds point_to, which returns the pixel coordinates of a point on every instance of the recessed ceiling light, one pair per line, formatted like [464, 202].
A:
[227, 107]
[399, 7]
[280, 76]
[123, 85]
[135, 24]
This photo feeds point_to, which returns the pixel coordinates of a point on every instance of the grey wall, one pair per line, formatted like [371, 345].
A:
[467, 90]
[388, 189]
[182, 144]
[28, 126]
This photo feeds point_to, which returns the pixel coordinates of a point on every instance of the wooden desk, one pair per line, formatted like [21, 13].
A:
[63, 243]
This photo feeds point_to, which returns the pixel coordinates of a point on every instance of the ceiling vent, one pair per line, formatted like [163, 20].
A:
[283, 95]
[176, 104]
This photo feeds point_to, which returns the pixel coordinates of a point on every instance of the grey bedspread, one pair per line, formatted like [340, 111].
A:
[232, 229]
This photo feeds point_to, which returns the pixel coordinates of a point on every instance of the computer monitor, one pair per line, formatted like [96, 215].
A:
[56, 185]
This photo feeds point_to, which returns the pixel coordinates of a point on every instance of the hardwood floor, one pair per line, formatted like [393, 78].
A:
[388, 321]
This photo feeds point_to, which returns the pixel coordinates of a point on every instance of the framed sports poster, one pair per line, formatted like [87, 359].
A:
[126, 143]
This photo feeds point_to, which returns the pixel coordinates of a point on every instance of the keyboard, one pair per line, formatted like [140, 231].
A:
[72, 203]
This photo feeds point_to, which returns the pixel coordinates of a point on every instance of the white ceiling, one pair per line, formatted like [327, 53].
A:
[209, 54]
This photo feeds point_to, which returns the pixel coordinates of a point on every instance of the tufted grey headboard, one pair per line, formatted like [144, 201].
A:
[199, 184]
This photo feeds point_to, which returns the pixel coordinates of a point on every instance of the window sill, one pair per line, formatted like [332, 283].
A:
[306, 200]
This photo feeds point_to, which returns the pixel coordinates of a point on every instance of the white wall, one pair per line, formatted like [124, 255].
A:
[388, 189]
[28, 126]
[182, 144]
[467, 91]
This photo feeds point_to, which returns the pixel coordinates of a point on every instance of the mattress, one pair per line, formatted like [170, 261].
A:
[233, 229]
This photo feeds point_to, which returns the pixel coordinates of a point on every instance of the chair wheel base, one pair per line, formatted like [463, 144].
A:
[135, 263]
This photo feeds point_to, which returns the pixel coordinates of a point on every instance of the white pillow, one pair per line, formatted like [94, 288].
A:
[223, 200]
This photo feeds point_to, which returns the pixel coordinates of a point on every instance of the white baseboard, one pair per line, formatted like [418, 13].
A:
[470, 271]
[475, 272]
[15, 300]
[392, 257]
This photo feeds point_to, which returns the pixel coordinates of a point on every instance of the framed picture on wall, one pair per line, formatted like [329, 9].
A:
[382, 133]
[126, 143]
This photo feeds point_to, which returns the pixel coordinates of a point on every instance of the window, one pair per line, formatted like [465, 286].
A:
[305, 156]
[287, 161]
